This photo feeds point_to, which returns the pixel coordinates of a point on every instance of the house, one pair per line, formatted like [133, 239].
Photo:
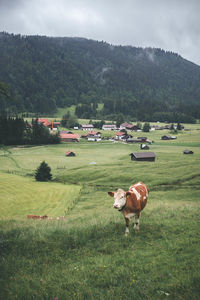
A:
[130, 127]
[143, 156]
[109, 127]
[126, 126]
[70, 153]
[96, 134]
[87, 127]
[188, 152]
[144, 147]
[50, 124]
[120, 135]
[69, 137]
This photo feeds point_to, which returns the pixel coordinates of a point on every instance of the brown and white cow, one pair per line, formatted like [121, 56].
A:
[131, 202]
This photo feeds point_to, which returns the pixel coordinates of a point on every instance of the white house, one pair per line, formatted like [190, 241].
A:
[109, 127]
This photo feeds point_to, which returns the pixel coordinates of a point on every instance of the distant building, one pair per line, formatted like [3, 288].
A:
[144, 147]
[188, 152]
[120, 135]
[69, 137]
[126, 126]
[168, 137]
[109, 127]
[87, 127]
[50, 124]
[143, 156]
[70, 153]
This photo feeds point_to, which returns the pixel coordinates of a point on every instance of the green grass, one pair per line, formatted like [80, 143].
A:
[87, 256]
[19, 197]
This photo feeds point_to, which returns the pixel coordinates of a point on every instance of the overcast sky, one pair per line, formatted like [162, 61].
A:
[173, 25]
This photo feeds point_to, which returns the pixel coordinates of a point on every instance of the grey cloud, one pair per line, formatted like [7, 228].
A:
[172, 25]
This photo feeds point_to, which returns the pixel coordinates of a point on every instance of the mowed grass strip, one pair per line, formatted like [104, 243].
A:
[21, 196]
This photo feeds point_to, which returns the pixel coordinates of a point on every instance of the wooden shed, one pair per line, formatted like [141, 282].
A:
[70, 153]
[143, 156]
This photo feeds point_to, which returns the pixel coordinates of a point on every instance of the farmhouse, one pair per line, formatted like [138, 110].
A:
[87, 127]
[96, 134]
[70, 153]
[69, 137]
[143, 156]
[120, 135]
[50, 124]
[126, 126]
[109, 127]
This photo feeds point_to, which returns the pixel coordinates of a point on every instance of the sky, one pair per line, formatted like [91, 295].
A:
[172, 25]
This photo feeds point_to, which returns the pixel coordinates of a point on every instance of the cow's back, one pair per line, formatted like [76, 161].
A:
[138, 196]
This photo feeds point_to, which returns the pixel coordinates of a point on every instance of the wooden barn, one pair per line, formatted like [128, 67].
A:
[143, 156]
[70, 153]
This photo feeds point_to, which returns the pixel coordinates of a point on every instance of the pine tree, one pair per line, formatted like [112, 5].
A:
[43, 172]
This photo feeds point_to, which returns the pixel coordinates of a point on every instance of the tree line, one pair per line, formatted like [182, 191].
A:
[16, 131]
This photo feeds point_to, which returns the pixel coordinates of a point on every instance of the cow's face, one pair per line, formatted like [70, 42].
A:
[119, 198]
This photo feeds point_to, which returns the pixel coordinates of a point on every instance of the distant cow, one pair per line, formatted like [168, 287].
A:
[131, 202]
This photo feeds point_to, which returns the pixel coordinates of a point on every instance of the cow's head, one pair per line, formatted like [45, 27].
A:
[119, 198]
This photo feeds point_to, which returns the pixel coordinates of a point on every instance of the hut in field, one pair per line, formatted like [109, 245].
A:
[143, 156]
[168, 137]
[70, 153]
[188, 152]
[144, 147]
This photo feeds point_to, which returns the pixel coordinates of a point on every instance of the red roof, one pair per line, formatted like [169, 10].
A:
[69, 136]
[120, 133]
[68, 152]
[92, 132]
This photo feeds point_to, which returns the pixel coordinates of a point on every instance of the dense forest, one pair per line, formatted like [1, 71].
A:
[44, 73]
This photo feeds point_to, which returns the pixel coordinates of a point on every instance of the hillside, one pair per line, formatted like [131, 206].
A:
[45, 73]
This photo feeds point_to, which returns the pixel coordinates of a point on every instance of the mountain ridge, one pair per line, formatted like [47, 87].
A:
[49, 72]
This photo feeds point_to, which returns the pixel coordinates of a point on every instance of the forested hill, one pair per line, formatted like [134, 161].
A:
[45, 73]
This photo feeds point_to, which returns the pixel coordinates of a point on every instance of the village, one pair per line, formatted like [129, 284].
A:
[125, 133]
[119, 133]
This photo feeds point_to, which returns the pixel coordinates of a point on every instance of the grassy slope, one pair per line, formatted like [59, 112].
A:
[87, 255]
[22, 196]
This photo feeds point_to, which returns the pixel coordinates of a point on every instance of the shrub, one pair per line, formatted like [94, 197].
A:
[43, 172]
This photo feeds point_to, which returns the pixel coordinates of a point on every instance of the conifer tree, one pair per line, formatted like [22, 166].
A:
[43, 172]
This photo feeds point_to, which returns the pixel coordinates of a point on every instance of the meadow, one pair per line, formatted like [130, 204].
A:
[86, 255]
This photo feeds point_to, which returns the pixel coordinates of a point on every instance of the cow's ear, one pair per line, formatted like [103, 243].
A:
[127, 193]
[111, 194]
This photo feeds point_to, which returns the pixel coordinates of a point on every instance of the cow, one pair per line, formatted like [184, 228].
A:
[131, 203]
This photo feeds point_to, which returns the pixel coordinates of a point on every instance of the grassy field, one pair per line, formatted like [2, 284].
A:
[86, 255]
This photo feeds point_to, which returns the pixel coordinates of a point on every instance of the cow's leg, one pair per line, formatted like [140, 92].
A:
[127, 226]
[137, 220]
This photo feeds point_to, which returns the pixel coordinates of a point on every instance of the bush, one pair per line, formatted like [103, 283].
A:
[146, 127]
[43, 172]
